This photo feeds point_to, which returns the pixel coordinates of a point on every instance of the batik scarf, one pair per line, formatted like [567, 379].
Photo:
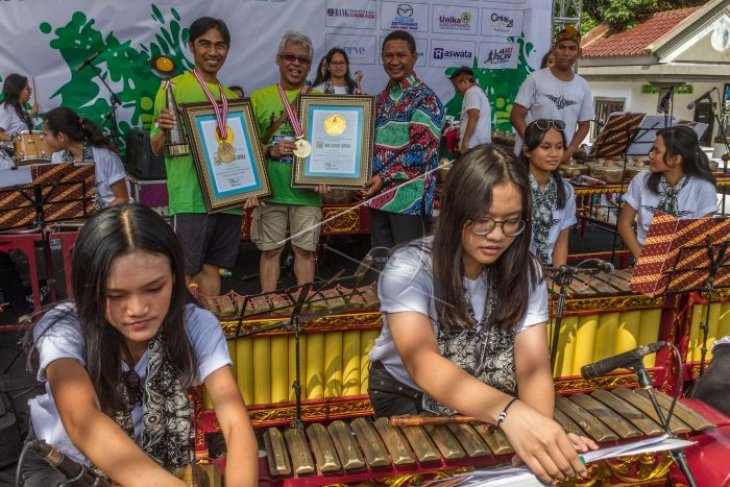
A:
[543, 205]
[670, 194]
[484, 351]
[87, 157]
[168, 413]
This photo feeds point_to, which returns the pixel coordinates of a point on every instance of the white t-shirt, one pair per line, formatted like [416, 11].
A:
[108, 169]
[546, 96]
[562, 219]
[697, 199]
[339, 90]
[406, 284]
[475, 98]
[64, 340]
[11, 123]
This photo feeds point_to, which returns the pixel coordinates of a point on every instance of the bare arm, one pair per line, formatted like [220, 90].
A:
[230, 411]
[471, 126]
[540, 442]
[95, 434]
[626, 220]
[560, 251]
[120, 192]
[517, 116]
[532, 364]
[580, 134]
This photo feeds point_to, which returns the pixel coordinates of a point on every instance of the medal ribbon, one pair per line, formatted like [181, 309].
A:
[220, 116]
[293, 119]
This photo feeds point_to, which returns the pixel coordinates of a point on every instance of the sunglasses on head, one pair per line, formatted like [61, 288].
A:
[290, 58]
[544, 124]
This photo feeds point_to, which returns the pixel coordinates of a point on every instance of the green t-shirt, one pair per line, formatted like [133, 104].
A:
[183, 186]
[267, 107]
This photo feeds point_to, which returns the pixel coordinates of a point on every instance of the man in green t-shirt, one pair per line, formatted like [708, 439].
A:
[209, 241]
[299, 210]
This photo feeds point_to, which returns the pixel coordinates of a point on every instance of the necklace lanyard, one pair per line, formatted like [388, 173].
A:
[293, 119]
[220, 116]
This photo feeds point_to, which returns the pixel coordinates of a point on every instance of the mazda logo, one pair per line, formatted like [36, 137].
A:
[405, 9]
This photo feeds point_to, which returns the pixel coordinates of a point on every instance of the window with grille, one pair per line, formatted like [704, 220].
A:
[604, 107]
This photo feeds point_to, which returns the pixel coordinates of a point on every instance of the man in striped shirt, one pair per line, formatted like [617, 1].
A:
[408, 122]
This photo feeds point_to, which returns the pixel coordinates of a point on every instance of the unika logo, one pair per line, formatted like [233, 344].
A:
[499, 56]
[452, 21]
[405, 10]
[441, 53]
[502, 20]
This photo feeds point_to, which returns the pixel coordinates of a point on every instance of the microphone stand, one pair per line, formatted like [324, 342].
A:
[112, 115]
[562, 277]
[645, 383]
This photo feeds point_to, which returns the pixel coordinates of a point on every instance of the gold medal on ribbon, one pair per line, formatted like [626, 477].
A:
[226, 151]
[302, 148]
[334, 124]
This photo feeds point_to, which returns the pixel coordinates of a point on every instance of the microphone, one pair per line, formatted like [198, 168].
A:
[82, 476]
[622, 360]
[89, 60]
[691, 105]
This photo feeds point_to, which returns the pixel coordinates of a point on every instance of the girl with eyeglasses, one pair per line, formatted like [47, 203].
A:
[553, 199]
[333, 75]
[118, 362]
[679, 182]
[465, 315]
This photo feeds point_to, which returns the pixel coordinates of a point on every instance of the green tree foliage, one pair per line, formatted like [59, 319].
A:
[626, 13]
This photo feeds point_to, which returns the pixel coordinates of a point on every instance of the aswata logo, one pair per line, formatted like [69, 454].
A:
[499, 56]
[502, 21]
[351, 13]
[441, 53]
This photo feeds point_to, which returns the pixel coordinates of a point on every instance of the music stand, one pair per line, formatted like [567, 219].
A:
[616, 135]
[680, 256]
[58, 192]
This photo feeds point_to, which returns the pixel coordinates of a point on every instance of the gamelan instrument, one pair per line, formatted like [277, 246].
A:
[30, 147]
[367, 448]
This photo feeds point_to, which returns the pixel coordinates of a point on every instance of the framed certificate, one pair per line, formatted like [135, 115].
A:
[340, 132]
[231, 169]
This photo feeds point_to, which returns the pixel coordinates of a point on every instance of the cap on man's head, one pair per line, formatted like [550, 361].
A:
[569, 33]
[462, 70]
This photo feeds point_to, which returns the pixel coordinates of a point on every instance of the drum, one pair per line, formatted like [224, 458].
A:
[31, 148]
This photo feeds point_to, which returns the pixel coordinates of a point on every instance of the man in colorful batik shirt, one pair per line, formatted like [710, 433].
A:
[408, 123]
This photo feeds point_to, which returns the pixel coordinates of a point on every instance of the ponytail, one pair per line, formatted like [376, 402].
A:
[76, 128]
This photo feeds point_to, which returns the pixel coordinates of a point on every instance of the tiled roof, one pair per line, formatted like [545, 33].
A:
[635, 41]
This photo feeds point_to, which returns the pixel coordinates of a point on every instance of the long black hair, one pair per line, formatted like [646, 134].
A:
[466, 197]
[533, 138]
[351, 84]
[66, 121]
[13, 86]
[114, 232]
[682, 141]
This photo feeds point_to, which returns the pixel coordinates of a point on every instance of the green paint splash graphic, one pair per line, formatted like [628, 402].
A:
[125, 68]
[501, 85]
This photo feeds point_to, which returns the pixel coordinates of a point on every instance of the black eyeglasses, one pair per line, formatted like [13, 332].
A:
[485, 225]
[290, 58]
[545, 124]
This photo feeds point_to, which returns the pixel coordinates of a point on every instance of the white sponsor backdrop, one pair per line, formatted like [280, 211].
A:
[47, 39]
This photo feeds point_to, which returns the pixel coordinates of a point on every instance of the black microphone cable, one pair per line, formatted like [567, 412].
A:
[21, 460]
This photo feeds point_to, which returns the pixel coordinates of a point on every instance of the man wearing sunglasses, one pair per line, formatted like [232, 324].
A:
[299, 210]
[408, 122]
[556, 93]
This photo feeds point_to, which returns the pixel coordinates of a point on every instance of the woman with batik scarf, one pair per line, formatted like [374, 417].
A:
[75, 139]
[553, 199]
[679, 182]
[119, 360]
[465, 315]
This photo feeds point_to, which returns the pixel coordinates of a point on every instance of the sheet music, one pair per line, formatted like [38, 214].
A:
[15, 177]
[522, 477]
